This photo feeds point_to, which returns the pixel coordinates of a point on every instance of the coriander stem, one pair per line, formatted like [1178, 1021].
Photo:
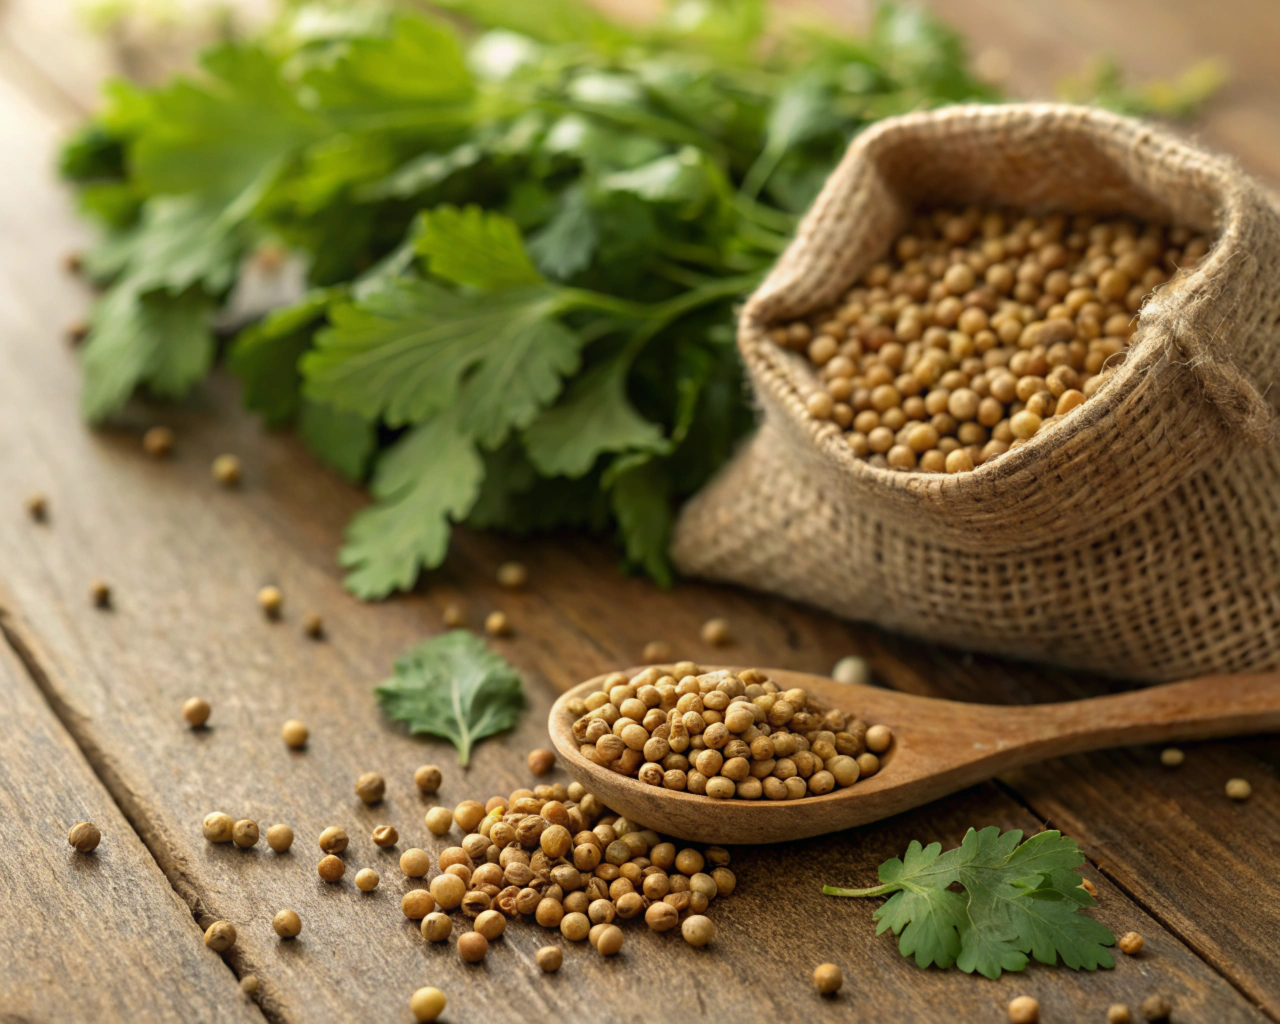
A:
[879, 890]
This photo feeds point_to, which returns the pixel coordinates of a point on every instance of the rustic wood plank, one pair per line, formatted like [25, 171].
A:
[100, 936]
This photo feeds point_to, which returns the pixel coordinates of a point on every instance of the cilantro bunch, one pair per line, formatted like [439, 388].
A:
[522, 229]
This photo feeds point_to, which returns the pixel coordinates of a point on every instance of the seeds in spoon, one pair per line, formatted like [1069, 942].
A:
[84, 836]
[427, 1004]
[371, 787]
[280, 838]
[294, 734]
[288, 924]
[196, 711]
[878, 738]
[828, 979]
[220, 936]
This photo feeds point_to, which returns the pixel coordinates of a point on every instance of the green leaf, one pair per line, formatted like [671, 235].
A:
[595, 417]
[682, 178]
[453, 687]
[640, 498]
[567, 242]
[1018, 899]
[474, 248]
[343, 440]
[423, 172]
[265, 356]
[426, 480]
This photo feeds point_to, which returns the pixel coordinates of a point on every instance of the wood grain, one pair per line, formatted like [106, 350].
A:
[99, 936]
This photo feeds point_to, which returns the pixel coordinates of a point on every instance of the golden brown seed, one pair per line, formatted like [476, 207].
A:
[280, 838]
[1089, 887]
[828, 979]
[439, 820]
[427, 778]
[1130, 943]
[609, 941]
[496, 624]
[1155, 1008]
[1239, 789]
[512, 575]
[333, 840]
[541, 761]
[715, 633]
[158, 442]
[196, 711]
[1023, 1010]
[1118, 1013]
[226, 470]
[427, 1004]
[448, 890]
[436, 927]
[220, 936]
[245, 833]
[270, 600]
[385, 835]
[656, 651]
[331, 868]
[84, 836]
[468, 814]
[878, 738]
[218, 827]
[549, 958]
[37, 507]
[313, 625]
[417, 904]
[100, 594]
[1171, 757]
[453, 616]
[415, 863]
[371, 787]
[249, 985]
[288, 924]
[367, 879]
[294, 734]
[491, 924]
[698, 930]
[472, 947]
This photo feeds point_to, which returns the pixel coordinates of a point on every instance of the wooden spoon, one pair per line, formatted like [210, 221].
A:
[939, 747]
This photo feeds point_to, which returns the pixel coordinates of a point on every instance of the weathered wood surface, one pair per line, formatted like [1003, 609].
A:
[87, 937]
[185, 560]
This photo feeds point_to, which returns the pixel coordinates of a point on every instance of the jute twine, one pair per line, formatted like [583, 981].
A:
[1139, 536]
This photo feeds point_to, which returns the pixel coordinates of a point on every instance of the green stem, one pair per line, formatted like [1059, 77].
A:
[879, 890]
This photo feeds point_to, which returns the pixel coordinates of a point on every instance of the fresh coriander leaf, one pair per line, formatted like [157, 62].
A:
[681, 177]
[343, 440]
[595, 417]
[474, 248]
[1018, 899]
[265, 356]
[453, 687]
[640, 498]
[567, 242]
[423, 172]
[426, 480]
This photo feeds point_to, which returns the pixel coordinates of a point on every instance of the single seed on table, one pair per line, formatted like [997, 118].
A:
[226, 470]
[698, 930]
[245, 833]
[333, 840]
[415, 863]
[439, 820]
[1130, 943]
[878, 738]
[84, 836]
[427, 778]
[1239, 789]
[1118, 1013]
[656, 651]
[270, 600]
[367, 879]
[1171, 757]
[220, 936]
[371, 787]
[512, 575]
[294, 734]
[427, 1004]
[575, 926]
[77, 331]
[100, 594]
[436, 927]
[490, 924]
[288, 924]
[196, 711]
[1155, 1008]
[549, 958]
[541, 761]
[331, 868]
[496, 624]
[472, 946]
[1023, 1010]
[249, 985]
[453, 617]
[280, 838]
[158, 442]
[385, 835]
[851, 670]
[827, 978]
[715, 633]
[38, 507]
[1089, 887]
[218, 827]
[313, 625]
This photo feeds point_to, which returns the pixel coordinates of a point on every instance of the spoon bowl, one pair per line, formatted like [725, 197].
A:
[939, 747]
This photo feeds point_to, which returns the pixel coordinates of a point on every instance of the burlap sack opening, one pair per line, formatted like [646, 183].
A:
[1139, 536]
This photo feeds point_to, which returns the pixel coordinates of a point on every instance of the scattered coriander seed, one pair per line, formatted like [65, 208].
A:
[333, 840]
[698, 930]
[1155, 1007]
[1130, 943]
[385, 835]
[244, 833]
[295, 734]
[331, 868]
[436, 927]
[280, 838]
[73, 262]
[158, 442]
[371, 787]
[715, 633]
[490, 924]
[100, 594]
[439, 820]
[1171, 757]
[472, 946]
[249, 985]
[270, 600]
[453, 616]
[609, 942]
[417, 904]
[1239, 789]
[218, 827]
[541, 761]
[1118, 1013]
[512, 575]
[575, 926]
[661, 917]
[656, 651]
[878, 738]
[38, 507]
[549, 958]
[77, 331]
[497, 625]
[220, 936]
[84, 836]
[468, 814]
[288, 924]
[415, 863]
[448, 890]
[1089, 887]
[313, 625]
[226, 470]
[828, 979]
[427, 1004]
[367, 879]
[196, 711]
[427, 778]
[1023, 1010]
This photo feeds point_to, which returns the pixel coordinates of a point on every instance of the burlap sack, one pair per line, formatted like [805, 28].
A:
[1139, 536]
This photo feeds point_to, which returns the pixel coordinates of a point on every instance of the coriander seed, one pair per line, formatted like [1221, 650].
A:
[280, 838]
[1118, 1013]
[448, 890]
[1155, 1007]
[1130, 943]
[294, 734]
[427, 1004]
[226, 470]
[1023, 1010]
[288, 924]
[100, 594]
[1089, 887]
[331, 868]
[1239, 789]
[196, 711]
[220, 936]
[512, 575]
[828, 979]
[367, 879]
[244, 833]
[715, 633]
[541, 761]
[1171, 757]
[851, 670]
[218, 827]
[313, 625]
[415, 863]
[490, 923]
[656, 651]
[371, 787]
[472, 946]
[333, 840]
[878, 738]
[575, 926]
[436, 927]
[549, 958]
[609, 941]
[37, 506]
[496, 624]
[385, 835]
[84, 836]
[270, 600]
[249, 985]
[427, 778]
[417, 904]
[698, 930]
[158, 442]
[453, 617]
[468, 814]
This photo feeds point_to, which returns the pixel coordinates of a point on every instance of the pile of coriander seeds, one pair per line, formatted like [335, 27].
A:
[723, 735]
[980, 330]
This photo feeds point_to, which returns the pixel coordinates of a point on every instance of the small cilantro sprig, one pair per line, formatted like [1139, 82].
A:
[1017, 899]
[453, 687]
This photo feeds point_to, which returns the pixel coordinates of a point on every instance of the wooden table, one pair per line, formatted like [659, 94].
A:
[90, 726]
